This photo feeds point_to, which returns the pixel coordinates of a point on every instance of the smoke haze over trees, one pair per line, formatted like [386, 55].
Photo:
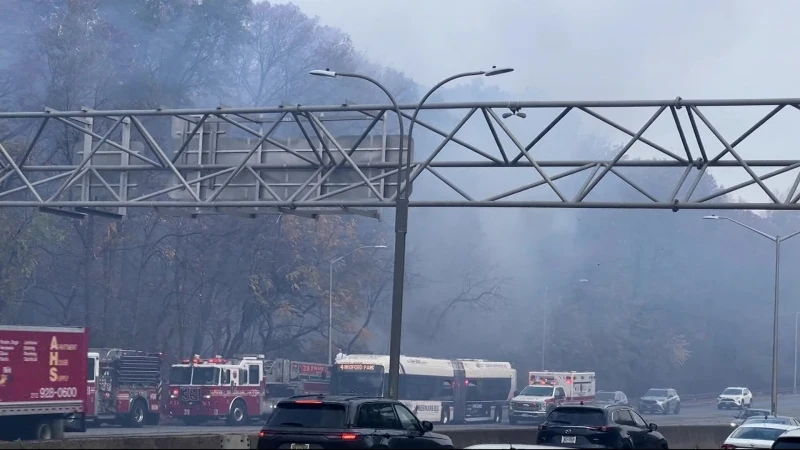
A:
[667, 300]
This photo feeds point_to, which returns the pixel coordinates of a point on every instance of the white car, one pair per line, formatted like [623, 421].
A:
[735, 397]
[756, 435]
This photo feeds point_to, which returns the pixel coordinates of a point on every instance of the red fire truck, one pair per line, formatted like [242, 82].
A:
[239, 389]
[123, 387]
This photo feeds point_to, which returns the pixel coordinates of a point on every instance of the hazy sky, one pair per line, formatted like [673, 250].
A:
[586, 49]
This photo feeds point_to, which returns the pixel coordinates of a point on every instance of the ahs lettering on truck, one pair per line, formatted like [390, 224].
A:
[56, 362]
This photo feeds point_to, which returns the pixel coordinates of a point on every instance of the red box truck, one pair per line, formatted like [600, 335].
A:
[43, 374]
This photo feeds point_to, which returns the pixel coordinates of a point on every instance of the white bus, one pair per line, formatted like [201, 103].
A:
[437, 390]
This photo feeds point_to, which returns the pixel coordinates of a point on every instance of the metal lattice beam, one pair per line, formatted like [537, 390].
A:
[337, 159]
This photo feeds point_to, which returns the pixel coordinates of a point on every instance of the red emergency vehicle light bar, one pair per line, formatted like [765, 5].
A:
[197, 360]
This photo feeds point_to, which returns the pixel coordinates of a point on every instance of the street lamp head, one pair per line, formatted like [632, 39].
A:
[498, 71]
[506, 115]
[711, 217]
[323, 73]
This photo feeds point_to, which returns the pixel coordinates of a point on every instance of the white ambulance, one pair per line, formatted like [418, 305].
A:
[546, 390]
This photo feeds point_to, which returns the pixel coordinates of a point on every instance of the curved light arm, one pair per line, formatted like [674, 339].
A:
[494, 71]
[332, 74]
[409, 176]
[759, 232]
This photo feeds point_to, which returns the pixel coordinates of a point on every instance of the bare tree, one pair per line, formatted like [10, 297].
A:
[481, 291]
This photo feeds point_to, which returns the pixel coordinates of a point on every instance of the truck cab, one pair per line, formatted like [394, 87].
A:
[535, 402]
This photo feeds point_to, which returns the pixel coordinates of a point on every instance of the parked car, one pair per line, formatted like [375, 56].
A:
[599, 427]
[756, 435]
[319, 421]
[662, 401]
[602, 398]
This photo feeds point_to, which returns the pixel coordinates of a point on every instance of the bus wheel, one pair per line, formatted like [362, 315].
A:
[498, 414]
[445, 415]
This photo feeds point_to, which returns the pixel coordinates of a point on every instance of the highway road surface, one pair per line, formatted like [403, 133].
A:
[694, 414]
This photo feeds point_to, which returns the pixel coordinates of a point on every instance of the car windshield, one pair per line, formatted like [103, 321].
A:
[757, 433]
[537, 391]
[754, 412]
[604, 396]
[180, 375]
[577, 417]
[732, 391]
[656, 393]
[308, 415]
[205, 376]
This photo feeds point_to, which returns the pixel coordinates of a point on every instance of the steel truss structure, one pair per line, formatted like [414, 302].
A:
[306, 160]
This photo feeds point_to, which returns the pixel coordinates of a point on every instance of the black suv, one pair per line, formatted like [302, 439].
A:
[321, 422]
[598, 427]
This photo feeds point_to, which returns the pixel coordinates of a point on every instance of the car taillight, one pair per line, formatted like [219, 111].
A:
[728, 446]
[263, 433]
[346, 436]
[307, 402]
[603, 429]
[542, 427]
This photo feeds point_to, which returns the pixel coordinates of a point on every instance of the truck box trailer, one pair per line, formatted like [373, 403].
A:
[43, 372]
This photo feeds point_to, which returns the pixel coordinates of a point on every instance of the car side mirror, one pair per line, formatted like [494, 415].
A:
[652, 426]
[427, 426]
[516, 393]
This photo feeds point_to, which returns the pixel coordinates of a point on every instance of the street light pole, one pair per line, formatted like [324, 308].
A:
[330, 296]
[401, 226]
[400, 223]
[777, 240]
[544, 324]
[401, 216]
[794, 385]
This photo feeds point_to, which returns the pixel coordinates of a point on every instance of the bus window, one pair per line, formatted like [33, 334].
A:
[419, 387]
[489, 389]
[446, 390]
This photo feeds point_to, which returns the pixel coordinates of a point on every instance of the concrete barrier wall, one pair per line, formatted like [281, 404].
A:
[677, 437]
[201, 441]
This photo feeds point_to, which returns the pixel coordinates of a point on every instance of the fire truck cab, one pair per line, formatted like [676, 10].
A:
[238, 389]
[123, 387]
